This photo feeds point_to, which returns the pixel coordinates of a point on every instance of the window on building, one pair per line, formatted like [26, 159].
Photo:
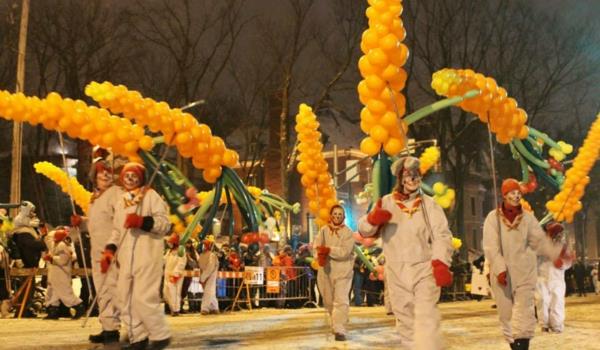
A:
[473, 211]
[475, 242]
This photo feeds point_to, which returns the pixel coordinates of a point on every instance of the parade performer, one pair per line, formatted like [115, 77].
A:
[139, 225]
[511, 239]
[418, 248]
[334, 246]
[99, 225]
[60, 287]
[209, 267]
[173, 281]
[551, 289]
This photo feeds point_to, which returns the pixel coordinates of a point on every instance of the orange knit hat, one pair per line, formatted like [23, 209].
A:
[510, 185]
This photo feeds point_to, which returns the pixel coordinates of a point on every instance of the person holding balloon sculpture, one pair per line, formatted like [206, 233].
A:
[512, 240]
[334, 246]
[173, 275]
[208, 262]
[418, 249]
[140, 222]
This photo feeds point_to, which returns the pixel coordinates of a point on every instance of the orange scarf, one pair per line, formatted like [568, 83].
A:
[133, 197]
[333, 228]
[399, 197]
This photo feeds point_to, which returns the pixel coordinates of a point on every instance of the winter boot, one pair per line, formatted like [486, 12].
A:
[105, 337]
[97, 338]
[340, 337]
[52, 313]
[79, 311]
[140, 345]
[521, 344]
[159, 344]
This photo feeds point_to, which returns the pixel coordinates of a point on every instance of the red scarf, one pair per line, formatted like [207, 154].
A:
[333, 228]
[400, 197]
[511, 215]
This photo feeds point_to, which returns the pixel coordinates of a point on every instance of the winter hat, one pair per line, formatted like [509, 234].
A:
[509, 185]
[408, 163]
[98, 167]
[136, 168]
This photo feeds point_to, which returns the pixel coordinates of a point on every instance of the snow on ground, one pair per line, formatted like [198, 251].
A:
[466, 325]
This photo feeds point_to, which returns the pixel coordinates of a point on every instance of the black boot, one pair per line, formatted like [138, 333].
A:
[159, 344]
[105, 337]
[79, 311]
[52, 313]
[521, 344]
[140, 345]
[97, 338]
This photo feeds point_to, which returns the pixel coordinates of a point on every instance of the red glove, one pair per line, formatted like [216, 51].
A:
[106, 259]
[554, 229]
[378, 216]
[502, 278]
[322, 254]
[75, 220]
[441, 273]
[133, 221]
[173, 279]
[47, 257]
[558, 263]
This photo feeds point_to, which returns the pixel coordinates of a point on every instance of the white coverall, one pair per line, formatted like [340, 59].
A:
[595, 281]
[517, 256]
[60, 286]
[209, 265]
[174, 266]
[100, 225]
[410, 246]
[140, 258]
[335, 278]
[551, 289]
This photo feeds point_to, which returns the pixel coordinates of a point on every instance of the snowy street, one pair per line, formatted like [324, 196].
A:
[466, 325]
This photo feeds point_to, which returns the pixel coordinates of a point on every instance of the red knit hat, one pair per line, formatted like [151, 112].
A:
[510, 185]
[136, 168]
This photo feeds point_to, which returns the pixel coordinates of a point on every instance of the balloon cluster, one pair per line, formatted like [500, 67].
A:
[506, 120]
[526, 206]
[313, 167]
[192, 139]
[254, 237]
[566, 203]
[560, 153]
[68, 185]
[443, 195]
[456, 243]
[429, 158]
[179, 226]
[78, 120]
[383, 78]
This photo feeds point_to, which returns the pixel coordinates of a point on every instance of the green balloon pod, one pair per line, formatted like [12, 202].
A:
[427, 189]
[376, 179]
[240, 188]
[150, 160]
[385, 183]
[550, 142]
[529, 156]
[240, 203]
[179, 175]
[364, 259]
[524, 170]
[197, 217]
[229, 212]
[276, 200]
[436, 106]
[171, 202]
[213, 209]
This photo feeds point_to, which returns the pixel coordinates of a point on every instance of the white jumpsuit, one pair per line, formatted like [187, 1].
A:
[517, 256]
[410, 244]
[174, 266]
[209, 265]
[595, 281]
[59, 277]
[140, 258]
[551, 289]
[99, 225]
[335, 278]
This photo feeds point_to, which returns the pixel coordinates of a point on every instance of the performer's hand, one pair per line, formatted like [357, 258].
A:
[47, 257]
[174, 278]
[107, 257]
[441, 273]
[554, 229]
[502, 279]
[322, 254]
[378, 216]
[75, 220]
[133, 221]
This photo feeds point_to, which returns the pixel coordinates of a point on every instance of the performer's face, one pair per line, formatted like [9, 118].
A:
[513, 197]
[337, 216]
[131, 181]
[411, 180]
[104, 179]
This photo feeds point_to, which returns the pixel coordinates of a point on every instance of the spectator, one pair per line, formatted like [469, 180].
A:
[579, 271]
[174, 269]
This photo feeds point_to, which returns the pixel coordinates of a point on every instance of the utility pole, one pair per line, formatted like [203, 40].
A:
[15, 177]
